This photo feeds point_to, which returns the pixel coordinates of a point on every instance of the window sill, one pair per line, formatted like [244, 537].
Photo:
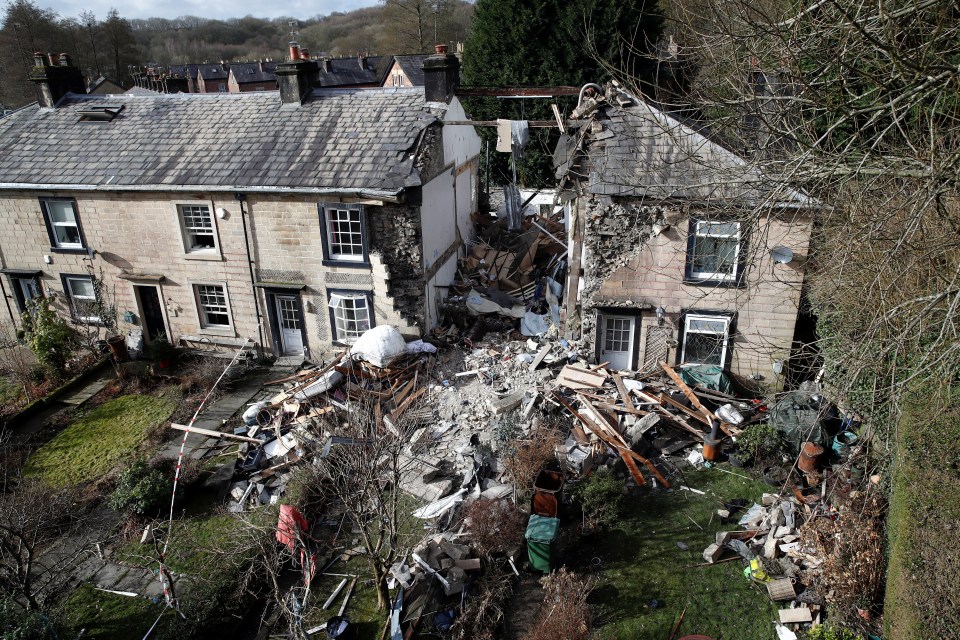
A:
[346, 263]
[226, 332]
[209, 255]
[74, 250]
[722, 284]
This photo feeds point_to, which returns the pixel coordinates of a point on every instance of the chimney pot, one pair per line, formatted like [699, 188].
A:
[54, 59]
[38, 60]
[440, 48]
[294, 51]
[65, 60]
[304, 53]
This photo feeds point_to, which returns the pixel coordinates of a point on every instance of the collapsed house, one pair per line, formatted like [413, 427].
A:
[299, 219]
[680, 250]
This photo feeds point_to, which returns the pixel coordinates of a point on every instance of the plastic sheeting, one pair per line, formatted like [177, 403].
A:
[379, 346]
[711, 377]
[798, 416]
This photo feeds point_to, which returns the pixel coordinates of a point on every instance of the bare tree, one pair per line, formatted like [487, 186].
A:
[853, 104]
[31, 517]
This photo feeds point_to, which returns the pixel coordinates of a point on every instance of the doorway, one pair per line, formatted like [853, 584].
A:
[287, 312]
[26, 290]
[151, 312]
[616, 341]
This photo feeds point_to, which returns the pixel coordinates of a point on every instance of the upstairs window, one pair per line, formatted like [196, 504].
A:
[198, 231]
[398, 79]
[714, 251]
[344, 234]
[63, 224]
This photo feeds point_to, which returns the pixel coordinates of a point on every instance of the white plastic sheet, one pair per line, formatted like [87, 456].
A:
[379, 346]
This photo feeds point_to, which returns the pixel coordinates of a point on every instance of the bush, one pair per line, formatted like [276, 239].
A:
[17, 624]
[760, 445]
[564, 612]
[141, 489]
[495, 526]
[601, 497]
[830, 632]
[49, 336]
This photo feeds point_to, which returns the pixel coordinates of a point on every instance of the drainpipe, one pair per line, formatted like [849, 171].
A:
[241, 198]
[3, 291]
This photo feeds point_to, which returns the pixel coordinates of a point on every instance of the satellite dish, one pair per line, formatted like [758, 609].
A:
[781, 255]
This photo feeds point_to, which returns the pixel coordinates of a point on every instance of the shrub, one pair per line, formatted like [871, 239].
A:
[49, 336]
[564, 612]
[141, 489]
[760, 444]
[526, 456]
[830, 632]
[18, 624]
[601, 497]
[496, 526]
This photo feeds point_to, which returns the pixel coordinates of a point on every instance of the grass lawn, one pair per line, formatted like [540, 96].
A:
[106, 616]
[362, 609]
[641, 562]
[96, 442]
[924, 570]
[11, 391]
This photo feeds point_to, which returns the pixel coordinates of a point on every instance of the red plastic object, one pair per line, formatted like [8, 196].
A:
[544, 504]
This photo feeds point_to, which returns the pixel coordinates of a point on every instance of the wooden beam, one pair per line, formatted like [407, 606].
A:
[687, 391]
[533, 124]
[492, 92]
[623, 392]
[213, 434]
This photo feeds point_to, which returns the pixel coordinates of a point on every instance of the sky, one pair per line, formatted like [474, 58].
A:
[215, 9]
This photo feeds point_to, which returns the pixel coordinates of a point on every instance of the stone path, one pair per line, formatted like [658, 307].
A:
[81, 557]
[24, 430]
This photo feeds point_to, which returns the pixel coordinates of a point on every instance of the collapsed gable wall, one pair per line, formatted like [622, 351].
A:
[395, 241]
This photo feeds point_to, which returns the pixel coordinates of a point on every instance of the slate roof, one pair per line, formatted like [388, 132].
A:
[184, 70]
[645, 152]
[212, 71]
[412, 66]
[250, 72]
[341, 141]
[346, 72]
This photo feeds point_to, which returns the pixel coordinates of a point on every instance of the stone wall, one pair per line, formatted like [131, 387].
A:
[635, 257]
[396, 240]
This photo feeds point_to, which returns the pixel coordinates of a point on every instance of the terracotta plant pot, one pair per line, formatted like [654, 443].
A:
[118, 348]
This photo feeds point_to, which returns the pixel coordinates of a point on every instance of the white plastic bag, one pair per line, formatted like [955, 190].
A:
[379, 346]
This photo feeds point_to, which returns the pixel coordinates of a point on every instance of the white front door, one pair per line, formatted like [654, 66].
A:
[288, 320]
[616, 341]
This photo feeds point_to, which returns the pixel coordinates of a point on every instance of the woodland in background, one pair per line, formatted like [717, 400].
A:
[109, 46]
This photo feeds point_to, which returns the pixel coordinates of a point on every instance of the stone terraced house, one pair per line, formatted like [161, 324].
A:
[681, 251]
[297, 218]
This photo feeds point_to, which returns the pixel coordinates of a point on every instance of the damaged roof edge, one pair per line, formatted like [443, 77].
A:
[373, 194]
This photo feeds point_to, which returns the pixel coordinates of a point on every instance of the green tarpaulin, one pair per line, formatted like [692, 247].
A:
[798, 416]
[708, 376]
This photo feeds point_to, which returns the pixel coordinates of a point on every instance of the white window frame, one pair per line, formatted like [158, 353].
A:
[202, 309]
[704, 317]
[347, 330]
[54, 224]
[73, 297]
[398, 79]
[190, 251]
[222, 88]
[703, 229]
[337, 256]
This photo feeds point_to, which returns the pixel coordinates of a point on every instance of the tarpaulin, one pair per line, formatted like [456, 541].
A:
[290, 525]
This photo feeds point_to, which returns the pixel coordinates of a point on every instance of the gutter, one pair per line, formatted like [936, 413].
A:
[396, 197]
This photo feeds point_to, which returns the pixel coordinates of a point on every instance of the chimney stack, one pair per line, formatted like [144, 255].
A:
[55, 77]
[295, 78]
[441, 75]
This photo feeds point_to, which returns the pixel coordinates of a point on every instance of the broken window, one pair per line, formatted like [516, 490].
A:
[351, 315]
[344, 233]
[81, 296]
[63, 224]
[198, 229]
[212, 305]
[705, 339]
[714, 251]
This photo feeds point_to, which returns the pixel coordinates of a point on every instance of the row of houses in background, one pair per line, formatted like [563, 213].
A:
[302, 217]
[240, 77]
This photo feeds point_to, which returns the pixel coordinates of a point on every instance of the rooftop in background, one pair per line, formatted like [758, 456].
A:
[412, 66]
[251, 72]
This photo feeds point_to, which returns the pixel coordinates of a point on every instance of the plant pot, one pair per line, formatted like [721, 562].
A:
[118, 348]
